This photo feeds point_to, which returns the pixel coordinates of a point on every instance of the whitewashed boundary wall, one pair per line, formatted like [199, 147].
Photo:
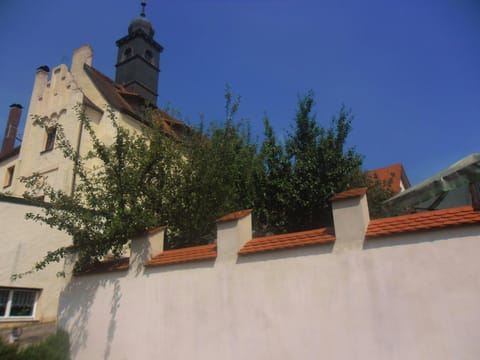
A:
[410, 296]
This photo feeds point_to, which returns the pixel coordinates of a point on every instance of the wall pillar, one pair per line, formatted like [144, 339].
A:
[351, 218]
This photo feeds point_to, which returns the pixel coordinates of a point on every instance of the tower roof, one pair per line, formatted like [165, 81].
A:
[141, 23]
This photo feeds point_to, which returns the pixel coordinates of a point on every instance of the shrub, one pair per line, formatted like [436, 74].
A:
[55, 347]
[8, 351]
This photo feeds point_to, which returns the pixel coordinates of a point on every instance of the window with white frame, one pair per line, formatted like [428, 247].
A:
[18, 303]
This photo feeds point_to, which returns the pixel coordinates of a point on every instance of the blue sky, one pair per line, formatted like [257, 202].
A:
[409, 70]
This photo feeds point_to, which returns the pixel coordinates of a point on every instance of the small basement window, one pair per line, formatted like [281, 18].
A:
[9, 176]
[50, 139]
[18, 303]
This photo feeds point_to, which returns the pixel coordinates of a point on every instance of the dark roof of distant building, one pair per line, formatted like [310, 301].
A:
[461, 173]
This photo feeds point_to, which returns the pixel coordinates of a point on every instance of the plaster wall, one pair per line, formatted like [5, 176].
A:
[55, 96]
[24, 243]
[401, 297]
[351, 220]
[6, 164]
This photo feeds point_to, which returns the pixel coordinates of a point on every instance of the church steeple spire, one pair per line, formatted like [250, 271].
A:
[138, 59]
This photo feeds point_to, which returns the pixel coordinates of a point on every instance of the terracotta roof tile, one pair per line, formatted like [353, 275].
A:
[349, 194]
[423, 221]
[194, 253]
[110, 265]
[234, 216]
[128, 102]
[156, 230]
[284, 241]
[110, 90]
[385, 173]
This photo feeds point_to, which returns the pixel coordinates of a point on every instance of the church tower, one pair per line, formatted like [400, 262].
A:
[138, 59]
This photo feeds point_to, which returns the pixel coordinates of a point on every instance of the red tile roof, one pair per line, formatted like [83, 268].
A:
[423, 221]
[194, 253]
[398, 173]
[234, 216]
[349, 194]
[110, 90]
[128, 102]
[156, 230]
[284, 241]
[110, 265]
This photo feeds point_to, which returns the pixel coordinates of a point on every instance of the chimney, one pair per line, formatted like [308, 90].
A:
[11, 129]
[351, 218]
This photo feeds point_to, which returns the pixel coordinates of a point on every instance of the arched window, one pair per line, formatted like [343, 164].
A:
[51, 133]
[148, 55]
[127, 53]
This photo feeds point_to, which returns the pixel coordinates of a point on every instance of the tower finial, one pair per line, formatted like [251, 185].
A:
[143, 9]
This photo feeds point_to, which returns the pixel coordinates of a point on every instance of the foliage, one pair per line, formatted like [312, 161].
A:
[152, 178]
[8, 351]
[54, 347]
[378, 192]
[144, 180]
[121, 190]
[302, 175]
[218, 177]
[274, 186]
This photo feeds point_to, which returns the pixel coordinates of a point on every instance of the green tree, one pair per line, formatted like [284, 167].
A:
[148, 179]
[218, 177]
[153, 178]
[378, 192]
[122, 189]
[300, 176]
[273, 188]
[313, 165]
